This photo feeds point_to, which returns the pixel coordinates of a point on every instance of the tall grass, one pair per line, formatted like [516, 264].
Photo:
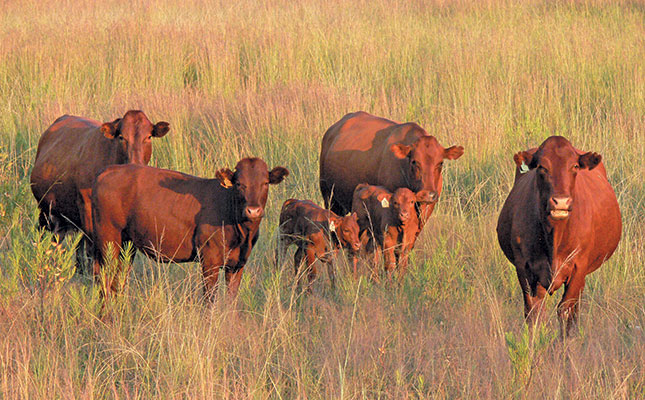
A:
[266, 79]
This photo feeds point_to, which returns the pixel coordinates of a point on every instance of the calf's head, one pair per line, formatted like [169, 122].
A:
[403, 203]
[251, 181]
[132, 136]
[423, 162]
[346, 229]
[557, 165]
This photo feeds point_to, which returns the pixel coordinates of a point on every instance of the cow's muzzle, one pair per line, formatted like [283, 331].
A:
[254, 213]
[560, 207]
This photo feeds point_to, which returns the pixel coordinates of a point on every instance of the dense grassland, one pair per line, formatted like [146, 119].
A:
[267, 78]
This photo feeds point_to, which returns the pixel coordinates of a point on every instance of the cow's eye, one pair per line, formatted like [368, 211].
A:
[121, 138]
[576, 167]
[440, 165]
[149, 137]
[542, 170]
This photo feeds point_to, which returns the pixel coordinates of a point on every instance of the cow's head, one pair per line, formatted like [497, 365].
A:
[557, 164]
[403, 203]
[251, 181]
[132, 136]
[346, 229]
[423, 163]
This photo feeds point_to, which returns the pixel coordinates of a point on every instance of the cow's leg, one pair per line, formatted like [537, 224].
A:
[403, 263]
[84, 250]
[212, 259]
[284, 241]
[568, 307]
[533, 303]
[297, 261]
[233, 279]
[311, 257]
[389, 245]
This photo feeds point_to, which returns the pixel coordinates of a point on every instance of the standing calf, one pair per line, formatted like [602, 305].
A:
[183, 218]
[391, 220]
[311, 227]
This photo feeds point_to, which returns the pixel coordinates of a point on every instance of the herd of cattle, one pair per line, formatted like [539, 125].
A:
[379, 179]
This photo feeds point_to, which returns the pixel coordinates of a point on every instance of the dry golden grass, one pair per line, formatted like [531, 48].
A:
[266, 79]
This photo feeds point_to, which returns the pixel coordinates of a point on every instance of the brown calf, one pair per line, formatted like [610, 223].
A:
[184, 218]
[389, 219]
[311, 227]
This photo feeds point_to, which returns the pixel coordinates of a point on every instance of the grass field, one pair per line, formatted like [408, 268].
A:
[267, 78]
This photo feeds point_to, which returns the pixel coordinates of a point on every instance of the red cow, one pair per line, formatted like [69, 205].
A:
[73, 151]
[363, 148]
[311, 227]
[389, 219]
[560, 222]
[184, 218]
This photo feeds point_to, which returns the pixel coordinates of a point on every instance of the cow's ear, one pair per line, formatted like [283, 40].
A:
[334, 223]
[400, 150]
[453, 152]
[277, 174]
[423, 196]
[525, 161]
[354, 216]
[589, 160]
[160, 129]
[225, 177]
[111, 129]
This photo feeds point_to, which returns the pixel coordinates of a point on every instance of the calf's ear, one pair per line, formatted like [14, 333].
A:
[277, 174]
[400, 150]
[453, 152]
[225, 177]
[423, 196]
[589, 160]
[111, 129]
[160, 129]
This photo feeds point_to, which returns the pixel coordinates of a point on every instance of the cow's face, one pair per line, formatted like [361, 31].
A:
[347, 230]
[132, 136]
[424, 162]
[404, 201]
[557, 164]
[251, 181]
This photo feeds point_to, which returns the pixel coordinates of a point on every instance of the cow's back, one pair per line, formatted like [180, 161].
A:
[356, 150]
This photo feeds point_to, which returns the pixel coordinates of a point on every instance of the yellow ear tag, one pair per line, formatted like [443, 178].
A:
[227, 184]
[385, 203]
[332, 226]
[524, 168]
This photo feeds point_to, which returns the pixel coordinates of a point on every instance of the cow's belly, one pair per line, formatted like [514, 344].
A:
[168, 240]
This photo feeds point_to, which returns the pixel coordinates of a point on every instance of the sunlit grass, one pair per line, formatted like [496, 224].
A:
[267, 79]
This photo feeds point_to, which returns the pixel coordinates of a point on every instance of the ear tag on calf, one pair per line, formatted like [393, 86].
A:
[332, 226]
[385, 203]
[524, 168]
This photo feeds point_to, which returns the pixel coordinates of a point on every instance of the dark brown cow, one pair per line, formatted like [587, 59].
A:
[73, 151]
[184, 218]
[560, 222]
[311, 227]
[389, 219]
[363, 148]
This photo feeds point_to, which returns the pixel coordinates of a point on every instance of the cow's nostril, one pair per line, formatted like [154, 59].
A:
[253, 212]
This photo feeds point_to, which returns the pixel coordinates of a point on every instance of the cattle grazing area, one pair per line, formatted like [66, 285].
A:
[195, 87]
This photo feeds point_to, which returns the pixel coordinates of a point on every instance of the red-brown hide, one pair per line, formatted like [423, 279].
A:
[560, 222]
[73, 151]
[390, 220]
[363, 148]
[179, 217]
[311, 228]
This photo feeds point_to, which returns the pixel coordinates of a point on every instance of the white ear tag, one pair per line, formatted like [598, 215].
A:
[332, 226]
[524, 168]
[385, 203]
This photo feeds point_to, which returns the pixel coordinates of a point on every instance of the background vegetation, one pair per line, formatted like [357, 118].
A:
[267, 78]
